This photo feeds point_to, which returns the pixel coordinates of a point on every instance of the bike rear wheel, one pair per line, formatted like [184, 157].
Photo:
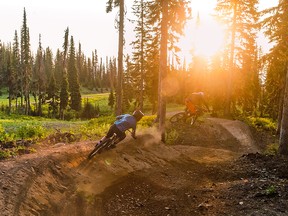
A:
[178, 117]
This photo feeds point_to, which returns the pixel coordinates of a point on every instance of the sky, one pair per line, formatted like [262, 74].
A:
[90, 25]
[87, 20]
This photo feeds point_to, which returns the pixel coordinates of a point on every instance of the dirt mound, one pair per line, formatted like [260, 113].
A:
[211, 169]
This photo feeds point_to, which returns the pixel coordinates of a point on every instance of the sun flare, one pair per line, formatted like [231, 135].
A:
[208, 39]
[205, 36]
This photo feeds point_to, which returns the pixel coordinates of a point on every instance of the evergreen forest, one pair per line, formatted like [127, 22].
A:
[239, 80]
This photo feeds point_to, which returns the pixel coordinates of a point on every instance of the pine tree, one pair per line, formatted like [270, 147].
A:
[58, 68]
[111, 99]
[139, 58]
[48, 63]
[277, 30]
[1, 57]
[15, 72]
[95, 70]
[129, 94]
[90, 74]
[217, 78]
[11, 80]
[64, 95]
[240, 18]
[4, 69]
[25, 64]
[50, 84]
[52, 96]
[168, 18]
[74, 87]
[80, 65]
[40, 78]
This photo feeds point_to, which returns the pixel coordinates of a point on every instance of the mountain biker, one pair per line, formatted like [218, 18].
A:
[123, 122]
[194, 100]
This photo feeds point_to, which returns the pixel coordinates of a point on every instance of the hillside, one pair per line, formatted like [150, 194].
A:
[213, 168]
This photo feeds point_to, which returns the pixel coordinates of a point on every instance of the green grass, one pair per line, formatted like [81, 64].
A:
[36, 129]
[100, 100]
[15, 125]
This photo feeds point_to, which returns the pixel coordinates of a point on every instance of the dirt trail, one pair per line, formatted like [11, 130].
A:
[139, 177]
[240, 131]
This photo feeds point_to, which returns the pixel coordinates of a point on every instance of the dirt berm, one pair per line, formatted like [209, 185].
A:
[211, 169]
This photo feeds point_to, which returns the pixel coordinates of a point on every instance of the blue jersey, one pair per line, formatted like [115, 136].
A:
[125, 122]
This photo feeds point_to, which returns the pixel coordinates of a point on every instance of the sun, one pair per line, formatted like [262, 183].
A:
[208, 39]
[205, 35]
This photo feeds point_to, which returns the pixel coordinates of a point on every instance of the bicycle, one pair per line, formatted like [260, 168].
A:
[107, 144]
[185, 115]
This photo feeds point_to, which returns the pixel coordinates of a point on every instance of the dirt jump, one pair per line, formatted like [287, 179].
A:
[212, 168]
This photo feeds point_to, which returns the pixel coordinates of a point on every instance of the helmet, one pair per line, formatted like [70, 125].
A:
[138, 114]
[201, 93]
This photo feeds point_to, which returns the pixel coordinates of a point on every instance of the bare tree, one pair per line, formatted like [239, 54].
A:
[163, 68]
[119, 93]
[283, 141]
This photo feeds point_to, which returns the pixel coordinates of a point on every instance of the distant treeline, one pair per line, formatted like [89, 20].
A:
[239, 80]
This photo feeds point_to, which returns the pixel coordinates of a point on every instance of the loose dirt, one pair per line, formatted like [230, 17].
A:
[213, 168]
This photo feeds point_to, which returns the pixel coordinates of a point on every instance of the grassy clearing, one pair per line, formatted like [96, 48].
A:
[100, 100]
[37, 129]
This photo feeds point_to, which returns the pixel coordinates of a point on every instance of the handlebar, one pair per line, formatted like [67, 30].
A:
[134, 137]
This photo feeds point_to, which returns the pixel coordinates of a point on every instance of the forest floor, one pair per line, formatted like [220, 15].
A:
[213, 168]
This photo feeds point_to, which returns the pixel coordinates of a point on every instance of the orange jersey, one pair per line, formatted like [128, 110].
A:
[190, 106]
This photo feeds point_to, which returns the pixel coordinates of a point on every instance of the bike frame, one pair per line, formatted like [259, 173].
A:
[111, 141]
[104, 145]
[184, 115]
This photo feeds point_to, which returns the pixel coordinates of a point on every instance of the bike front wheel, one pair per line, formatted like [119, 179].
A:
[103, 146]
[94, 152]
[98, 149]
[178, 117]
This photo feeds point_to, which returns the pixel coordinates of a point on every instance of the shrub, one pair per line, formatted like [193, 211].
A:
[89, 111]
[271, 149]
[271, 190]
[4, 154]
[147, 121]
[262, 123]
[97, 126]
[30, 131]
[171, 136]
[70, 115]
[101, 120]
[4, 136]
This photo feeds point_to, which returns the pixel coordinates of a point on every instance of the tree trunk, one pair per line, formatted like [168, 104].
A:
[163, 69]
[142, 57]
[231, 64]
[280, 113]
[10, 102]
[40, 104]
[120, 59]
[283, 141]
